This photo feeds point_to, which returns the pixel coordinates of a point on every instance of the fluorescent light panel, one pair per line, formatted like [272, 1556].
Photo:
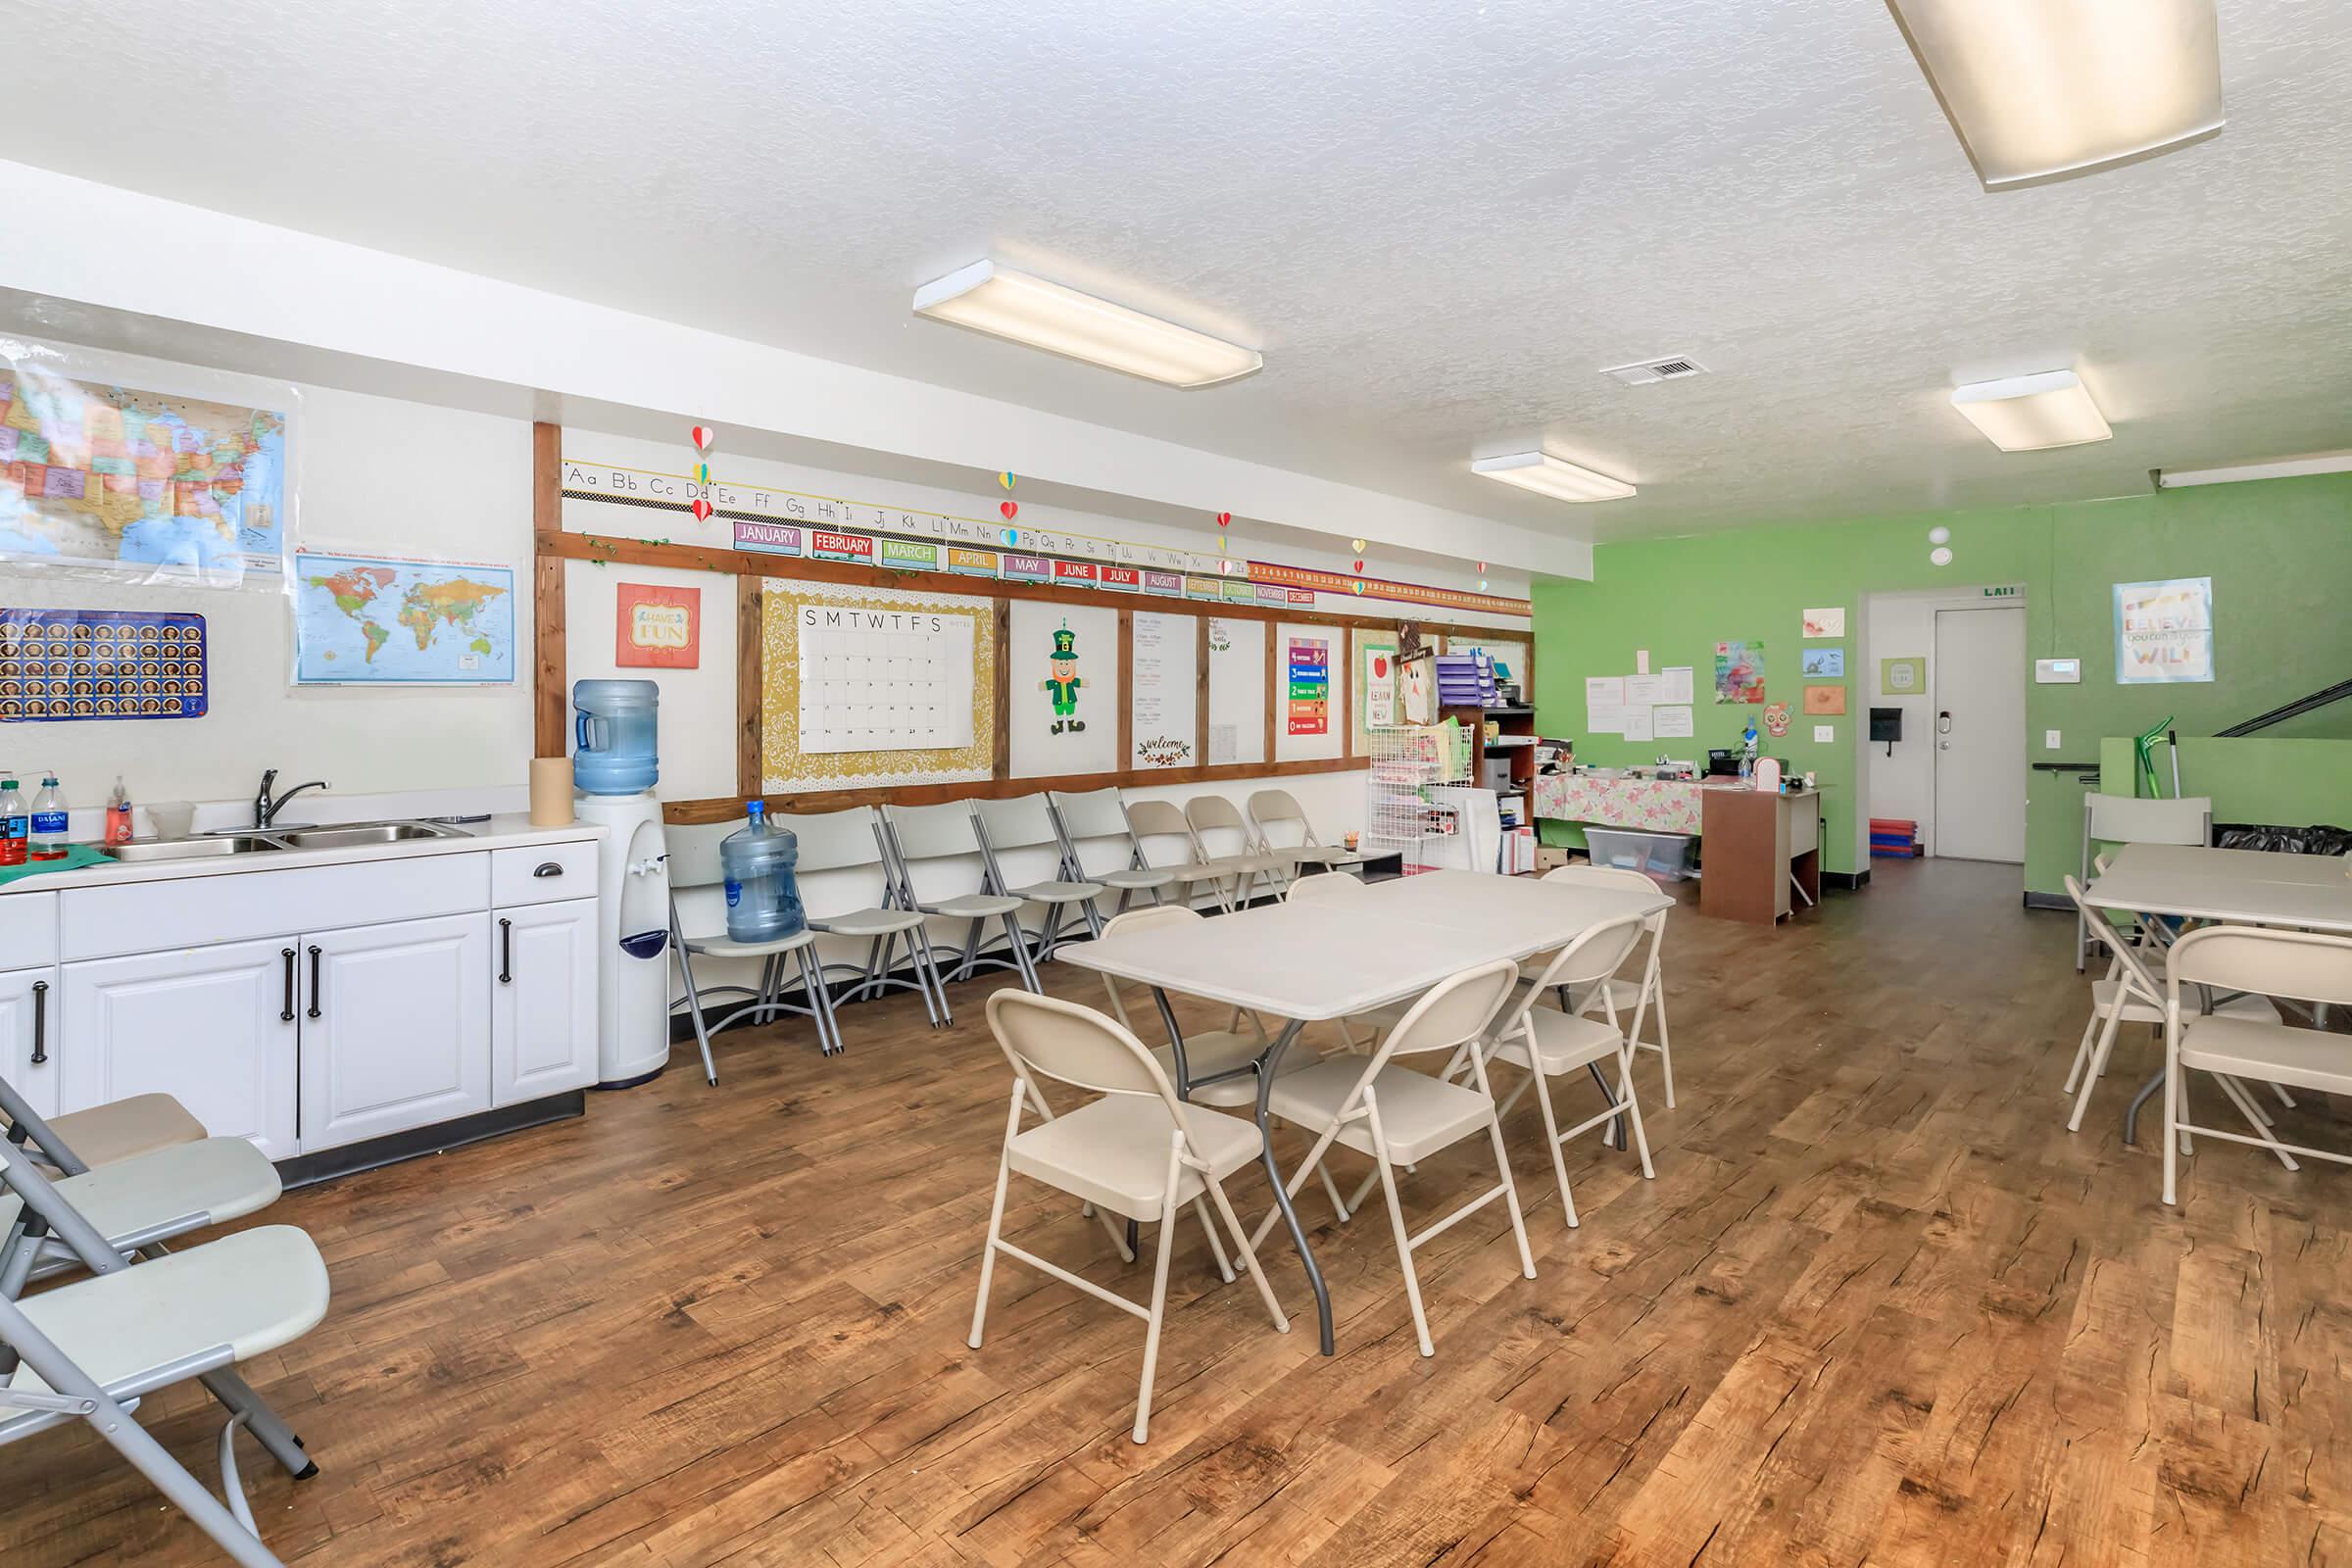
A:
[2283, 468]
[1548, 475]
[1014, 306]
[2043, 89]
[2028, 412]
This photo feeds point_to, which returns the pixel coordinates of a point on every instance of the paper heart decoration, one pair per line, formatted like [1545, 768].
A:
[1010, 509]
[703, 435]
[1223, 519]
[1358, 587]
[700, 509]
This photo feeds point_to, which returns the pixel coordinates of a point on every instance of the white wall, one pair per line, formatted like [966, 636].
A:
[376, 474]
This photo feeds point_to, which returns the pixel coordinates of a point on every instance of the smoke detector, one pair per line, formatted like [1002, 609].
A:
[1673, 368]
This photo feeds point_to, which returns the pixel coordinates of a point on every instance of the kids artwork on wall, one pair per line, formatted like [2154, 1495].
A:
[1776, 719]
[1824, 701]
[658, 628]
[1740, 672]
[1824, 662]
[1065, 689]
[1826, 622]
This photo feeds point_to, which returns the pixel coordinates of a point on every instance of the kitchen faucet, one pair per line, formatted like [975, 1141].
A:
[265, 807]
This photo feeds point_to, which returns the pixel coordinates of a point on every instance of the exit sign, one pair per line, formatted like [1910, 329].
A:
[2010, 592]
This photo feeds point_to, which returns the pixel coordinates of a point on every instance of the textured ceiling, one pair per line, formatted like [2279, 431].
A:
[1437, 220]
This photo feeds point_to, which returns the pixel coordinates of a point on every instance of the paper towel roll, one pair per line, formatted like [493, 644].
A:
[550, 792]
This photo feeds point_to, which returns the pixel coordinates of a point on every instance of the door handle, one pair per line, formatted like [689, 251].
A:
[285, 1010]
[40, 1022]
[505, 952]
[314, 1009]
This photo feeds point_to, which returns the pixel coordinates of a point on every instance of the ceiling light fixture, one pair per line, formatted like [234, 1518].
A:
[1011, 304]
[2038, 90]
[1548, 475]
[2283, 468]
[2028, 412]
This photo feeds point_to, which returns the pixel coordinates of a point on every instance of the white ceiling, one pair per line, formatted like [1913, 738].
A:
[1437, 222]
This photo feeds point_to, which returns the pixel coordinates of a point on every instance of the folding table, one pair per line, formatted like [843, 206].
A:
[1310, 964]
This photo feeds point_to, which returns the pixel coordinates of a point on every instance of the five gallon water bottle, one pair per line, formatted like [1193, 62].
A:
[763, 899]
[615, 724]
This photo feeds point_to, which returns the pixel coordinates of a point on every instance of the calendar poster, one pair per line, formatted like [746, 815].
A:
[874, 686]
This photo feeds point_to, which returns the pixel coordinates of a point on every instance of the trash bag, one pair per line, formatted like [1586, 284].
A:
[2283, 840]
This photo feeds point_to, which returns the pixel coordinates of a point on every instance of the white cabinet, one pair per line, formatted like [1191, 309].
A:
[214, 1027]
[543, 1003]
[395, 1027]
[28, 1054]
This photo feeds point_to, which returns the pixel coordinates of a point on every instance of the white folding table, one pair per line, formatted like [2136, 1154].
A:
[2234, 887]
[1312, 962]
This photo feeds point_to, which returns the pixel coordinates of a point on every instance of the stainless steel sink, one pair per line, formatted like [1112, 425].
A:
[356, 833]
[210, 846]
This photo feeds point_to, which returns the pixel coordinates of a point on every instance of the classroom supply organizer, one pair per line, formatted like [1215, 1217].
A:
[1401, 814]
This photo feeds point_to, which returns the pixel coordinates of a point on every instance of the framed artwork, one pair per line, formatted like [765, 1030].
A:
[657, 628]
[1826, 622]
[1828, 663]
[2164, 631]
[1740, 672]
[1903, 677]
[1824, 701]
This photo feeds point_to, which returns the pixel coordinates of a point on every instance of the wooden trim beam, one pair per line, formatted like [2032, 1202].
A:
[550, 683]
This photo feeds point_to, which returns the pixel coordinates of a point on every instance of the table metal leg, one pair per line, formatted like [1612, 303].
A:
[1282, 1196]
[1616, 1133]
[2155, 1083]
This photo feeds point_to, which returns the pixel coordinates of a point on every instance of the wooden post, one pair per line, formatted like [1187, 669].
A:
[551, 704]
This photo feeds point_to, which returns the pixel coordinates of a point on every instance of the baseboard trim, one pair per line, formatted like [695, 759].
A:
[304, 1170]
[1845, 881]
[2049, 900]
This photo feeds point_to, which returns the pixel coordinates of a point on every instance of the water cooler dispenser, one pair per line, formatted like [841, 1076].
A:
[614, 768]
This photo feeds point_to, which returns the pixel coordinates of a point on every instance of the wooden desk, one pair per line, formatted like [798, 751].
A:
[1758, 853]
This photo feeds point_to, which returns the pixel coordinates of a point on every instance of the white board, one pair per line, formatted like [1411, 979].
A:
[1310, 692]
[1057, 727]
[1237, 691]
[1164, 690]
[880, 678]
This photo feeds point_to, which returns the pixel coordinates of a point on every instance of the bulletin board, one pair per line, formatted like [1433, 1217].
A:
[1063, 670]
[1163, 682]
[1237, 691]
[1310, 691]
[864, 686]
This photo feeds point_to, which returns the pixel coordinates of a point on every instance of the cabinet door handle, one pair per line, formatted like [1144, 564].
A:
[40, 1022]
[314, 1009]
[505, 952]
[547, 869]
[285, 1010]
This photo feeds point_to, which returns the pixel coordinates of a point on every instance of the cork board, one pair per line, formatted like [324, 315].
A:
[856, 656]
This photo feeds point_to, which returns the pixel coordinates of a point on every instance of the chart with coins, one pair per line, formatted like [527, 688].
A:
[100, 663]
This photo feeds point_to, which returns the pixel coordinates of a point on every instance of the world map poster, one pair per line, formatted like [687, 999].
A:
[373, 620]
[119, 477]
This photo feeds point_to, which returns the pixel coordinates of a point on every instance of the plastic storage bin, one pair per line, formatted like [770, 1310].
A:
[614, 723]
[763, 897]
[1668, 856]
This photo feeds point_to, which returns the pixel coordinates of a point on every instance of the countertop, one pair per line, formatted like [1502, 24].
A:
[505, 832]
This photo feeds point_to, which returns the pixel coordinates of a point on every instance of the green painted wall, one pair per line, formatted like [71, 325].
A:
[2279, 554]
[2293, 783]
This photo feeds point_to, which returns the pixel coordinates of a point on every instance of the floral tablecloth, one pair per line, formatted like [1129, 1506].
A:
[1652, 805]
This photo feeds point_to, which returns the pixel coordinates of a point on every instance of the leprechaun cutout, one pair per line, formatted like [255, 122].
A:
[1062, 681]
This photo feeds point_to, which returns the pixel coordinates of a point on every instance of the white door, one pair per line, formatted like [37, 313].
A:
[1979, 680]
[395, 1027]
[213, 1027]
[543, 1003]
[28, 1008]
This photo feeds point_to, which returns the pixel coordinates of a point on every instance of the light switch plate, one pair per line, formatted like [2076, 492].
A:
[1825, 733]
[1641, 660]
[2049, 740]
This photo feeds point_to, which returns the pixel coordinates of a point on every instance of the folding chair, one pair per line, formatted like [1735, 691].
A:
[1549, 1043]
[1007, 827]
[1136, 1150]
[1275, 816]
[1226, 841]
[948, 838]
[853, 841]
[694, 865]
[100, 1135]
[2300, 964]
[1337, 885]
[1398, 1116]
[138, 1203]
[2126, 819]
[1164, 820]
[94, 1347]
[1098, 817]
[1615, 994]
[1209, 1054]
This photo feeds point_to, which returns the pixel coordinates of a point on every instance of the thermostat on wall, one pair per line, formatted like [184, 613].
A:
[2057, 672]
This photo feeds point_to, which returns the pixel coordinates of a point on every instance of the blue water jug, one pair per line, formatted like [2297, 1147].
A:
[614, 722]
[764, 899]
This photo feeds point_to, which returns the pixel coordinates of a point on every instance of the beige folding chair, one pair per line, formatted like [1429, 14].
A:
[1100, 845]
[1547, 1043]
[1163, 822]
[2300, 964]
[1136, 1150]
[936, 854]
[848, 841]
[1209, 1054]
[1281, 831]
[2128, 819]
[1009, 827]
[1398, 1116]
[694, 865]
[98, 1135]
[1337, 885]
[1617, 995]
[1225, 839]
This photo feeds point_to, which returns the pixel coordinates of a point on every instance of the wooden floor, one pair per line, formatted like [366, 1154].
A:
[1878, 1306]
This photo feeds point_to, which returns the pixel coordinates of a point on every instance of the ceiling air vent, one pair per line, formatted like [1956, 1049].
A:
[1643, 372]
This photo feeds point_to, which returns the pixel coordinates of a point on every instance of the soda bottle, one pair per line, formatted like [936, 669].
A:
[15, 825]
[47, 839]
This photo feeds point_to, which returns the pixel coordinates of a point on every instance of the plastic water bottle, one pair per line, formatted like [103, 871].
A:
[47, 840]
[15, 825]
[763, 899]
